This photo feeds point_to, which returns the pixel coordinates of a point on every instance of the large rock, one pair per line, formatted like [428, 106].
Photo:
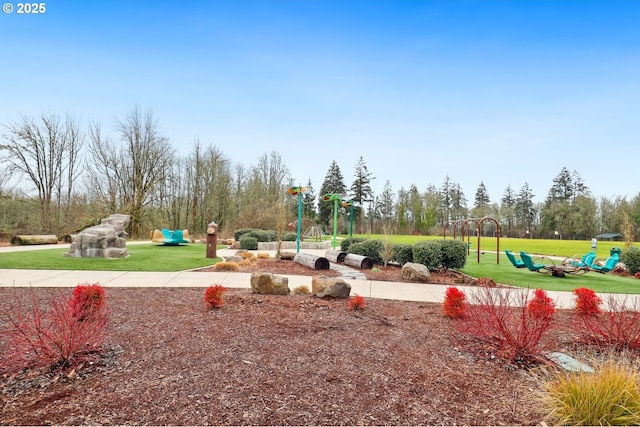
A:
[323, 286]
[268, 283]
[107, 240]
[416, 272]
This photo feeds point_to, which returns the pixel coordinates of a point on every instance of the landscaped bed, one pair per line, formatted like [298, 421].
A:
[275, 360]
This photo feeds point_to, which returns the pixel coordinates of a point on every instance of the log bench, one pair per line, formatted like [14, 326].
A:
[35, 239]
[312, 261]
[335, 255]
[359, 261]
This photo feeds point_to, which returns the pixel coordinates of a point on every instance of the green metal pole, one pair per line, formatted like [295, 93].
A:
[299, 221]
[351, 225]
[335, 220]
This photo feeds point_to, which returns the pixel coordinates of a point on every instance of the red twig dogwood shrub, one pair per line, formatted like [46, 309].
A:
[213, 296]
[541, 305]
[587, 302]
[454, 303]
[54, 337]
[501, 319]
[616, 328]
[86, 300]
[356, 303]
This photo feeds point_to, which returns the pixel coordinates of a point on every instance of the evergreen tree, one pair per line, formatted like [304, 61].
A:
[333, 184]
[309, 202]
[481, 201]
[508, 207]
[444, 213]
[361, 189]
[524, 210]
[386, 206]
[561, 211]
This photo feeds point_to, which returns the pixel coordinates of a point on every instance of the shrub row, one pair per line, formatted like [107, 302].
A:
[259, 234]
[431, 253]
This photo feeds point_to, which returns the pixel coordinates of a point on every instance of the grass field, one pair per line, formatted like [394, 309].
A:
[144, 257]
[150, 257]
[505, 273]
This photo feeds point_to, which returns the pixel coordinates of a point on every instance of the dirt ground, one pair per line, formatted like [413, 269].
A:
[274, 360]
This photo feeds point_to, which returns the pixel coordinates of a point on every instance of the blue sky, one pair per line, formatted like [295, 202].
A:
[504, 92]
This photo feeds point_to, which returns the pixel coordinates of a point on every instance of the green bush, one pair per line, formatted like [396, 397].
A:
[289, 237]
[272, 235]
[368, 248]
[428, 253]
[238, 233]
[260, 235]
[402, 253]
[454, 253]
[631, 259]
[344, 245]
[248, 242]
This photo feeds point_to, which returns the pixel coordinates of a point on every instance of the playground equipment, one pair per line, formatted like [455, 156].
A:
[350, 204]
[517, 263]
[463, 225]
[298, 191]
[550, 267]
[168, 237]
[609, 264]
[335, 198]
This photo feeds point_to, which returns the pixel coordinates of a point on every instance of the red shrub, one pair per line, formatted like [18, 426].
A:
[454, 303]
[587, 302]
[54, 337]
[617, 328]
[86, 300]
[356, 303]
[213, 296]
[500, 319]
[637, 275]
[541, 305]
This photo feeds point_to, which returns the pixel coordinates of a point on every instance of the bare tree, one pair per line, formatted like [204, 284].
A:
[131, 168]
[47, 151]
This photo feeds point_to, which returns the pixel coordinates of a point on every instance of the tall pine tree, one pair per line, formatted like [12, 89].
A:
[361, 189]
[333, 184]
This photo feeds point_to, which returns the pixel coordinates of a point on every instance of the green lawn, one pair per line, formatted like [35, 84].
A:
[561, 248]
[506, 273]
[143, 257]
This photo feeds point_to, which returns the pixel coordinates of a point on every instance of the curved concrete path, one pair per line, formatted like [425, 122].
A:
[128, 279]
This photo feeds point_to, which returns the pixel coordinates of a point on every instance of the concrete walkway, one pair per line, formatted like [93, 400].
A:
[128, 279]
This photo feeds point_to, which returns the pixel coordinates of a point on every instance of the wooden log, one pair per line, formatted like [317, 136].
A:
[35, 239]
[312, 261]
[335, 255]
[359, 261]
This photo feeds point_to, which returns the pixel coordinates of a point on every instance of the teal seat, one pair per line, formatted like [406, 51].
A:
[531, 265]
[609, 264]
[586, 260]
[173, 238]
[515, 261]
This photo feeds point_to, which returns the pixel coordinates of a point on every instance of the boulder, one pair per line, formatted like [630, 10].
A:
[415, 272]
[234, 258]
[106, 240]
[323, 286]
[268, 283]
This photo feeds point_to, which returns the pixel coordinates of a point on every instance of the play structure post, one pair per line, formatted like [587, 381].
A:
[298, 191]
[336, 198]
[349, 204]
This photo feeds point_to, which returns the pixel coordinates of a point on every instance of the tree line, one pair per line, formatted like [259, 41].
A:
[70, 178]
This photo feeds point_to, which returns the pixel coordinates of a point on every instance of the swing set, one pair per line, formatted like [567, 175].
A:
[463, 226]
